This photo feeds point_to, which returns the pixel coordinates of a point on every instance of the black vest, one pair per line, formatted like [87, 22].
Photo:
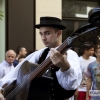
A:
[48, 88]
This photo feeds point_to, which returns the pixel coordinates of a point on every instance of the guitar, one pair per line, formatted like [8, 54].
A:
[29, 71]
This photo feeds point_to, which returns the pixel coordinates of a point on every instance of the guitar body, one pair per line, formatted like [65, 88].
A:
[23, 73]
[38, 89]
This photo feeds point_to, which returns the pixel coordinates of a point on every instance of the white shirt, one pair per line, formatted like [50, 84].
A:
[84, 64]
[5, 68]
[69, 79]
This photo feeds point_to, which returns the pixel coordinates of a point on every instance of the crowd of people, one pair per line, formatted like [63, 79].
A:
[71, 75]
[12, 59]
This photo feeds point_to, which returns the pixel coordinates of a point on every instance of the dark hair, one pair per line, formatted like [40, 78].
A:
[86, 46]
[21, 57]
[97, 47]
[18, 49]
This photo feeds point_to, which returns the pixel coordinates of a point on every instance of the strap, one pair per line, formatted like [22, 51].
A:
[43, 56]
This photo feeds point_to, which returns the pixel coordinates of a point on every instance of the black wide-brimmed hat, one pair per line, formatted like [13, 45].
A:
[50, 21]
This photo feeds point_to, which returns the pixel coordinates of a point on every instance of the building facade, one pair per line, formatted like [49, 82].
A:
[20, 16]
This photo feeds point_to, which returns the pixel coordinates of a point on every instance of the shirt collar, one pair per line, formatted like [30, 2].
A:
[6, 63]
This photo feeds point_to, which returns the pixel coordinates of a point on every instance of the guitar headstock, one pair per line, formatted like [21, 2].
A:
[83, 34]
[89, 31]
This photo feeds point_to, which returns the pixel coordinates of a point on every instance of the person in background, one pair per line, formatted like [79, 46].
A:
[65, 70]
[7, 65]
[20, 51]
[93, 77]
[86, 58]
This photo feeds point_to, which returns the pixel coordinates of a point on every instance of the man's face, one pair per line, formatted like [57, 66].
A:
[97, 53]
[90, 52]
[10, 57]
[23, 52]
[49, 36]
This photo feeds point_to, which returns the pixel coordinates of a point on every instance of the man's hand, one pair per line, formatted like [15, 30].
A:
[88, 98]
[59, 60]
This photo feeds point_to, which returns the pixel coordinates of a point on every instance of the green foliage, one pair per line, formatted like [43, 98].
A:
[1, 15]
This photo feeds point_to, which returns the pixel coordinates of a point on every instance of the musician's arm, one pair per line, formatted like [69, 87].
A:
[71, 78]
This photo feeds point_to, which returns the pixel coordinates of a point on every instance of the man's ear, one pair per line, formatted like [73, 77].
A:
[85, 51]
[19, 52]
[59, 33]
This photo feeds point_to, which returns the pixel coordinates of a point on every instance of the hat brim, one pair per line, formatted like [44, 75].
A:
[61, 27]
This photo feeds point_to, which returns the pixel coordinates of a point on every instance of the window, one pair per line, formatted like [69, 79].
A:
[77, 8]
